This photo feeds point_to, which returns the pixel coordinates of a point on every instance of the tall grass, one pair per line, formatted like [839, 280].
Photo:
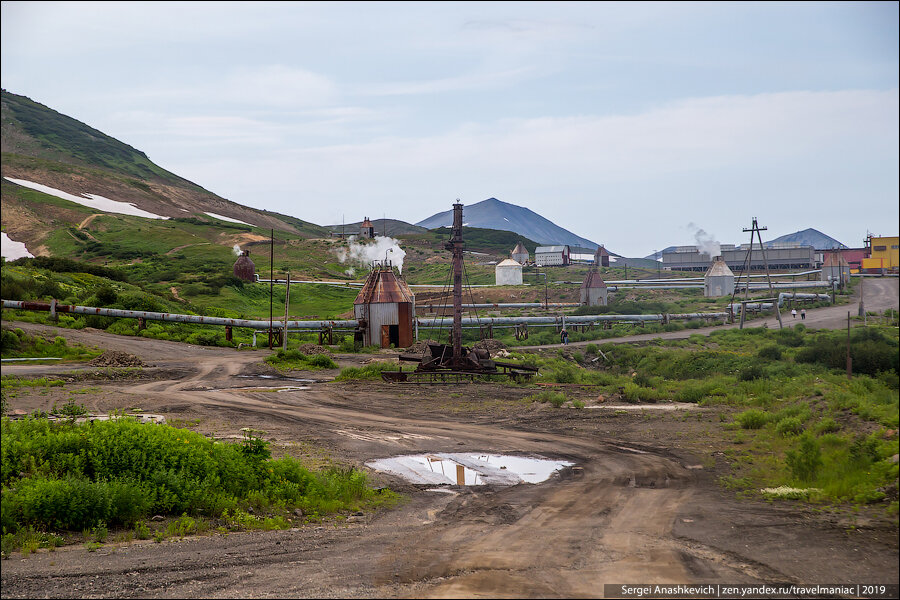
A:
[60, 476]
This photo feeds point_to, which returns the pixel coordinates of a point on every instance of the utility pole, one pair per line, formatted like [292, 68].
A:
[849, 360]
[271, 285]
[748, 266]
[862, 308]
[287, 302]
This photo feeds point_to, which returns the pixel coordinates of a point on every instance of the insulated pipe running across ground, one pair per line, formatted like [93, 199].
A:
[576, 319]
[502, 305]
[422, 322]
[781, 298]
[173, 317]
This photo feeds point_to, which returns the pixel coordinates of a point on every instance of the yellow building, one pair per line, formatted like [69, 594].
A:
[888, 250]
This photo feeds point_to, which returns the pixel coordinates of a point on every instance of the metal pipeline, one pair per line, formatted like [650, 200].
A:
[781, 298]
[347, 324]
[502, 305]
[174, 317]
[575, 319]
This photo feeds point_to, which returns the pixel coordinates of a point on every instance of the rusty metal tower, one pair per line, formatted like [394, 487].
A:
[455, 245]
[453, 362]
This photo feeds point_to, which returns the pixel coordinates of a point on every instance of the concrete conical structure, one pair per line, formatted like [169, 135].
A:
[508, 272]
[719, 279]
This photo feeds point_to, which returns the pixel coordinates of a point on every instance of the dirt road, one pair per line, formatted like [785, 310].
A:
[644, 507]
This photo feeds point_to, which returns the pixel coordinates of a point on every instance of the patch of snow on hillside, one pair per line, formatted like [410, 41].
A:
[90, 200]
[229, 219]
[11, 249]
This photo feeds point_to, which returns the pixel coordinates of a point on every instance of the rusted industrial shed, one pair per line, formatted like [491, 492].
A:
[385, 308]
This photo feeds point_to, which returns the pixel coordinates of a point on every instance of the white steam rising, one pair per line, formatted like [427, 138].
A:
[236, 249]
[364, 255]
[706, 243]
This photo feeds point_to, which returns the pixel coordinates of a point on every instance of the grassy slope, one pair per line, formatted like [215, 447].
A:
[65, 139]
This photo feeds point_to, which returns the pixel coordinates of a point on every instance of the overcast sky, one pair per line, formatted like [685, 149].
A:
[630, 124]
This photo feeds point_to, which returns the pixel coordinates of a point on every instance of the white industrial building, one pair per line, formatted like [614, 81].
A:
[508, 272]
[550, 256]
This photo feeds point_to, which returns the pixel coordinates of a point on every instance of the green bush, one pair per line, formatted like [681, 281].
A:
[789, 426]
[751, 372]
[791, 337]
[871, 351]
[370, 371]
[806, 460]
[62, 475]
[827, 425]
[753, 419]
[557, 399]
[321, 361]
[769, 353]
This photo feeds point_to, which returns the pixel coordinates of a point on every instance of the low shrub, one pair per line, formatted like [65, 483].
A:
[770, 352]
[66, 476]
[369, 371]
[789, 426]
[557, 399]
[805, 461]
[753, 419]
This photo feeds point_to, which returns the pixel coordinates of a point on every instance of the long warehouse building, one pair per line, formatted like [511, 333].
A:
[778, 256]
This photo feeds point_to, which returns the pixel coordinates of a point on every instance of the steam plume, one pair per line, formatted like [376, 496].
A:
[236, 249]
[706, 243]
[365, 254]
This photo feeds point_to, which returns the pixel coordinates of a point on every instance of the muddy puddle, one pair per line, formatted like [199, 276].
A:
[277, 378]
[468, 468]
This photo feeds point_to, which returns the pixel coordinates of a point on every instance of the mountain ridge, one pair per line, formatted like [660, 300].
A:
[42, 146]
[496, 214]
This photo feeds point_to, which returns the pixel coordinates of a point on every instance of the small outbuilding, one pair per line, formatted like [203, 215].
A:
[508, 272]
[366, 229]
[593, 289]
[601, 257]
[719, 279]
[836, 268]
[520, 254]
[386, 310]
[244, 268]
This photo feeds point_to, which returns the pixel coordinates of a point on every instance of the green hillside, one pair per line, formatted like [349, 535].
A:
[58, 137]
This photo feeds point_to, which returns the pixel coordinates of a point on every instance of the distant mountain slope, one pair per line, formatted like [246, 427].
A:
[808, 237]
[42, 146]
[494, 214]
[477, 239]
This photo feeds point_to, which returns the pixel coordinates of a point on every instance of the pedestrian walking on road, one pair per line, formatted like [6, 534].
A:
[802, 314]
[564, 336]
[794, 313]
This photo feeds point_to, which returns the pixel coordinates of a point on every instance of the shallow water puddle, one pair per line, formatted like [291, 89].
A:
[469, 469]
[277, 377]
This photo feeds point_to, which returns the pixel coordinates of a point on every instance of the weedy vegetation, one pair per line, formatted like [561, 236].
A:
[61, 478]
